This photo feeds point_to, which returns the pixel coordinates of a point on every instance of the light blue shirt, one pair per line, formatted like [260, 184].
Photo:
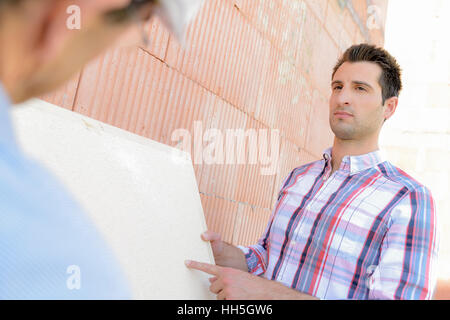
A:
[49, 248]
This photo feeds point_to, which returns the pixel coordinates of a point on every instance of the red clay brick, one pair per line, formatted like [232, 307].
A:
[246, 64]
[250, 224]
[320, 135]
[220, 215]
[65, 95]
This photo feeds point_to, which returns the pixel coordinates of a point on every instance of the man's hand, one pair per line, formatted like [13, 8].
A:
[225, 254]
[217, 244]
[233, 284]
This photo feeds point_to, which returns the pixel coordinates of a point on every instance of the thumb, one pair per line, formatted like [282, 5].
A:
[211, 236]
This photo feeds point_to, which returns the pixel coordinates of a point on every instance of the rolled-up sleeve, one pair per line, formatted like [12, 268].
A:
[407, 267]
[256, 257]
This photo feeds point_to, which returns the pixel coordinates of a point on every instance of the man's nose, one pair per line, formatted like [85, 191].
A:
[344, 97]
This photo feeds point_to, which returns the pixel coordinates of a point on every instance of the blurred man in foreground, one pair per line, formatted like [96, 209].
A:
[49, 248]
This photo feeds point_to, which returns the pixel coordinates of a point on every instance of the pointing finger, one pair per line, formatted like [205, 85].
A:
[205, 267]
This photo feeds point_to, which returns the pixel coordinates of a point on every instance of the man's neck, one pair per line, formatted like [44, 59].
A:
[342, 148]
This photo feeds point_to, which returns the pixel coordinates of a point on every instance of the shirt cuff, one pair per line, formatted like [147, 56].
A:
[255, 262]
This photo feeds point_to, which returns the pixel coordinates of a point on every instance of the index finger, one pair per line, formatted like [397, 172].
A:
[205, 267]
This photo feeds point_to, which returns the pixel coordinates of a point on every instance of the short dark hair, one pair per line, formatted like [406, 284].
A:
[10, 2]
[390, 79]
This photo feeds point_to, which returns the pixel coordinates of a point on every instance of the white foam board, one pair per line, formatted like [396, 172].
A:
[142, 195]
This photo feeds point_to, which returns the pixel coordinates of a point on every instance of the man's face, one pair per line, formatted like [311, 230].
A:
[356, 110]
[38, 52]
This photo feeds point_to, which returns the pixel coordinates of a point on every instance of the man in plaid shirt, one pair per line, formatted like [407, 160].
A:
[349, 226]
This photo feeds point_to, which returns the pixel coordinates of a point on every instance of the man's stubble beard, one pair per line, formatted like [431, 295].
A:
[344, 131]
[353, 130]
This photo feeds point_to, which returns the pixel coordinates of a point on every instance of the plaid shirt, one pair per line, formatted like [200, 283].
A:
[368, 231]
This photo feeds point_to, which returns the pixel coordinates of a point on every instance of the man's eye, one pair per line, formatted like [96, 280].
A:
[361, 88]
[337, 88]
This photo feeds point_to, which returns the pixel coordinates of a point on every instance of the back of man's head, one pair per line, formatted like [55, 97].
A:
[39, 52]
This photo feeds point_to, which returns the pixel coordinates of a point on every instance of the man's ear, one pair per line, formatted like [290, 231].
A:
[390, 106]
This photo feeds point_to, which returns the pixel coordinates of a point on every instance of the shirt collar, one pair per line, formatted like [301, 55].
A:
[358, 163]
[6, 130]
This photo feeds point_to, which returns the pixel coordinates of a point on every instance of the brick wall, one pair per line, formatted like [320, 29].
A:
[248, 64]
